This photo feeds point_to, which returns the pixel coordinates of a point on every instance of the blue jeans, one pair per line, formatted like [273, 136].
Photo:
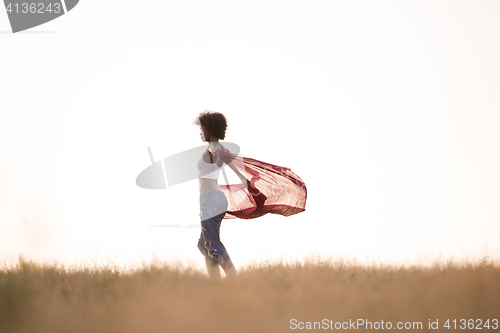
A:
[213, 208]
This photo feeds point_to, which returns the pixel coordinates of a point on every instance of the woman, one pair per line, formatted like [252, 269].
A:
[213, 201]
[265, 188]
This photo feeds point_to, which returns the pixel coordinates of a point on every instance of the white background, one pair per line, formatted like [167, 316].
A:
[388, 110]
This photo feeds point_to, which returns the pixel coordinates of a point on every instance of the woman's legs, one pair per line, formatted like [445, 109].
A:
[212, 247]
[212, 264]
[213, 207]
[212, 267]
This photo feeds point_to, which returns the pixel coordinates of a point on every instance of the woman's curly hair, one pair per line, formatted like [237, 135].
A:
[213, 122]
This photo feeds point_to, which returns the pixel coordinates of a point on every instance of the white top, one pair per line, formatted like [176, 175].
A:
[210, 170]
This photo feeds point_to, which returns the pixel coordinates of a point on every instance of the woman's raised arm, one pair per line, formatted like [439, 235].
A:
[228, 158]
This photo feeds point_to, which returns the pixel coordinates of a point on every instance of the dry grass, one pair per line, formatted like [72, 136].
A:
[264, 298]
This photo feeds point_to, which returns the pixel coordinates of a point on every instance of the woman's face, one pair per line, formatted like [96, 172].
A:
[202, 134]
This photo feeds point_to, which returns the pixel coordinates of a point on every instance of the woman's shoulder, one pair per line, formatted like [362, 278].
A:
[215, 146]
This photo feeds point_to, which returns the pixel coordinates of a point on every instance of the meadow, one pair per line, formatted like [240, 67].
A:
[327, 294]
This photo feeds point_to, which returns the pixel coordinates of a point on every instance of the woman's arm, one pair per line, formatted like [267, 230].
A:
[259, 197]
[238, 173]
[215, 148]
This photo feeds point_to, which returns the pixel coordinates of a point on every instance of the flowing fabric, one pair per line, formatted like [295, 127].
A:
[271, 189]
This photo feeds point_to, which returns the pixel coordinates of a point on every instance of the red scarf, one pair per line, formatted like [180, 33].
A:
[271, 189]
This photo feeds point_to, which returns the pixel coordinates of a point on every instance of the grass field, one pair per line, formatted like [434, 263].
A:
[261, 298]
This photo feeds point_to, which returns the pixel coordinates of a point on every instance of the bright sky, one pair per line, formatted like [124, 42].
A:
[388, 110]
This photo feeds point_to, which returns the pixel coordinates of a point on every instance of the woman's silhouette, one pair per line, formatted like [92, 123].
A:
[265, 188]
[213, 201]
